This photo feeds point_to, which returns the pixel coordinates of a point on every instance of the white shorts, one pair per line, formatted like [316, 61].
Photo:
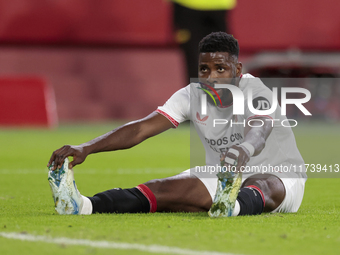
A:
[294, 186]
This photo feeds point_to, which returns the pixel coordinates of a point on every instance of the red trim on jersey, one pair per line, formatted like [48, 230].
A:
[149, 195]
[172, 120]
[267, 116]
[260, 191]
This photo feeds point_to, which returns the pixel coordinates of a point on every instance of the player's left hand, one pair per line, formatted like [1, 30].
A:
[236, 156]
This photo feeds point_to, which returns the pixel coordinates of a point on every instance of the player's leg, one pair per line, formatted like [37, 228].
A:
[280, 192]
[257, 194]
[293, 185]
[68, 199]
[180, 193]
[185, 193]
[271, 187]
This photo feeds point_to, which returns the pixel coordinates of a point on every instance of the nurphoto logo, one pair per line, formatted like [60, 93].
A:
[262, 105]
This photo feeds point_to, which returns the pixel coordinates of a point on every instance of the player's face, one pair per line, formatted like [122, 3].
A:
[219, 68]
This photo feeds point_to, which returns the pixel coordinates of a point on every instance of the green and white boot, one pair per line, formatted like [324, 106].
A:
[66, 196]
[228, 186]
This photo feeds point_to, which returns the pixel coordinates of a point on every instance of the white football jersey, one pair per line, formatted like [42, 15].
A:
[219, 129]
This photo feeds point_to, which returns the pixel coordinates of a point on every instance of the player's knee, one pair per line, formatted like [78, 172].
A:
[180, 194]
[272, 188]
[156, 186]
[262, 184]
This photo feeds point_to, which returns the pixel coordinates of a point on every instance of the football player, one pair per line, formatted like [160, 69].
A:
[244, 144]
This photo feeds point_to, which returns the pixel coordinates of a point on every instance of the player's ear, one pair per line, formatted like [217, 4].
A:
[238, 69]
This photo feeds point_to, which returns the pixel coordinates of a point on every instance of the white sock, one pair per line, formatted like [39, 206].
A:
[237, 209]
[87, 208]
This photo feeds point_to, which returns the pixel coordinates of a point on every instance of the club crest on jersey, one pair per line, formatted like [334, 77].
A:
[261, 103]
[199, 117]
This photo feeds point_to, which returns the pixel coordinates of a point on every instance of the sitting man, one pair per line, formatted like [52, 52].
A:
[266, 144]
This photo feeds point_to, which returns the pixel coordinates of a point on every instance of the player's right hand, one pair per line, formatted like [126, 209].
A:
[58, 156]
[238, 154]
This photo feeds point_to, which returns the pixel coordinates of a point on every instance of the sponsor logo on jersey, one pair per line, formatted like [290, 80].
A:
[200, 120]
[222, 144]
[199, 117]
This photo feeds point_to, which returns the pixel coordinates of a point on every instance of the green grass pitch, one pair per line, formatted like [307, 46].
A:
[26, 204]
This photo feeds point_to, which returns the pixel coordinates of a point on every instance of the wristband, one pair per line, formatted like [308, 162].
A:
[233, 151]
[230, 161]
[249, 147]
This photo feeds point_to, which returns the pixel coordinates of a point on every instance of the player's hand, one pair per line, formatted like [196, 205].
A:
[77, 152]
[236, 154]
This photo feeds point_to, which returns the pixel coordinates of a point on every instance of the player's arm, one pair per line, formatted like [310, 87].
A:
[123, 137]
[254, 142]
[257, 136]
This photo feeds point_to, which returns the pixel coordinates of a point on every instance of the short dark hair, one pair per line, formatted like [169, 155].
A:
[219, 42]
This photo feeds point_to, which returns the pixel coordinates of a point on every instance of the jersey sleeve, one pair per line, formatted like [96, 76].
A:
[177, 108]
[262, 99]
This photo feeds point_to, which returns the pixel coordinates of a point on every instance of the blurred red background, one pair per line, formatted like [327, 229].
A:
[259, 25]
[112, 59]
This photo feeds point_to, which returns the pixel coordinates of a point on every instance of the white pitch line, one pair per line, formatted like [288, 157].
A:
[109, 245]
